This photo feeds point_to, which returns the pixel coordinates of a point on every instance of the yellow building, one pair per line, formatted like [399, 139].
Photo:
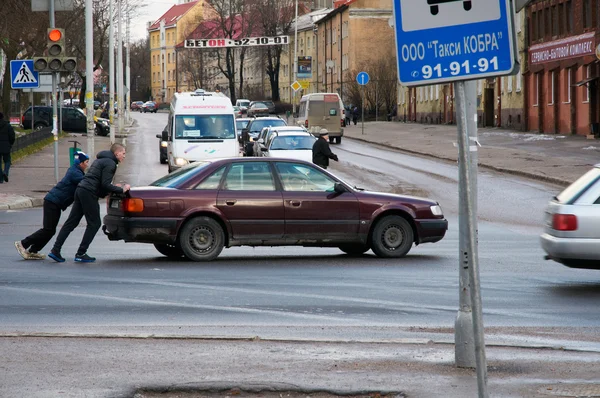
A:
[164, 34]
[500, 101]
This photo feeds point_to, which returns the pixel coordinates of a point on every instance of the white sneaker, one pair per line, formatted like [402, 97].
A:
[36, 256]
[22, 251]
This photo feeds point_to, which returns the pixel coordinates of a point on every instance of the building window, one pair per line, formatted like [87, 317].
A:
[587, 14]
[334, 34]
[169, 58]
[154, 77]
[345, 30]
[431, 92]
[554, 20]
[551, 88]
[308, 42]
[586, 87]
[568, 16]
[533, 26]
[169, 77]
[540, 25]
[568, 86]
[547, 22]
[437, 92]
[536, 90]
[510, 84]
[154, 60]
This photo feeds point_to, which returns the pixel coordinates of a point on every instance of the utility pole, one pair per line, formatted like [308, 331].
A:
[295, 60]
[128, 72]
[120, 68]
[111, 72]
[89, 76]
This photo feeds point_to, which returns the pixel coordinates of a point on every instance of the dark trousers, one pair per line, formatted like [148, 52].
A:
[4, 158]
[86, 204]
[37, 240]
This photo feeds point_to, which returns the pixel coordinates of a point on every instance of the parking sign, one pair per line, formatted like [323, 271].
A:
[440, 41]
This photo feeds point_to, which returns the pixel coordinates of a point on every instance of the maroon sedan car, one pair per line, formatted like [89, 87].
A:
[200, 209]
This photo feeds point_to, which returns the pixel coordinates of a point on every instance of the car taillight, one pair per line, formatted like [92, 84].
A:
[306, 123]
[564, 222]
[133, 205]
[341, 122]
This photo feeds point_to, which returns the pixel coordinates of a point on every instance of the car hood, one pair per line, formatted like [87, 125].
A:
[301, 154]
[390, 197]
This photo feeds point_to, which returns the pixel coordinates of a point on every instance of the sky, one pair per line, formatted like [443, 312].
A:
[152, 10]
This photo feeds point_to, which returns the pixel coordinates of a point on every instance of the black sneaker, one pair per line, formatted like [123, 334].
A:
[84, 258]
[56, 257]
[6, 177]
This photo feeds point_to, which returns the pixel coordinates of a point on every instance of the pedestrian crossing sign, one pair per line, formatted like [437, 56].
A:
[22, 74]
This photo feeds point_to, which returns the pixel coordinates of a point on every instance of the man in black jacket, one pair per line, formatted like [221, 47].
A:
[55, 202]
[7, 140]
[96, 184]
[321, 153]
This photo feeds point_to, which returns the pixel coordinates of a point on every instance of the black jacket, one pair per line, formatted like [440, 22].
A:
[63, 194]
[7, 136]
[98, 179]
[322, 153]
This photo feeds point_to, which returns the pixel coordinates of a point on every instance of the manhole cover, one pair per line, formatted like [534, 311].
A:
[572, 390]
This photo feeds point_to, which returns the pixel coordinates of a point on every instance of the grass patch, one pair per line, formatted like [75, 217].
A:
[31, 149]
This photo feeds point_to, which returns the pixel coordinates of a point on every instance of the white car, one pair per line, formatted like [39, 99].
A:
[295, 145]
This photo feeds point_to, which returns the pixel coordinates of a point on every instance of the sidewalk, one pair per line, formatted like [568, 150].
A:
[558, 159]
[553, 158]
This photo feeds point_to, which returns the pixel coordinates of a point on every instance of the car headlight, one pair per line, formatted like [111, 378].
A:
[104, 123]
[436, 210]
[181, 161]
[163, 144]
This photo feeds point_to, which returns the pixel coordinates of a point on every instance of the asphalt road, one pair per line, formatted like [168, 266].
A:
[303, 292]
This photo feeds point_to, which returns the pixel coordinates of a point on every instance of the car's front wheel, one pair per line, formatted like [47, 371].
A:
[354, 249]
[202, 239]
[392, 236]
[171, 251]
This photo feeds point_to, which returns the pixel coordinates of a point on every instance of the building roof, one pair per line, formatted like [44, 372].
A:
[213, 29]
[307, 21]
[171, 17]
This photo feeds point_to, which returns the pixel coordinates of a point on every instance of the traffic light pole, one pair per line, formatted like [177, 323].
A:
[111, 72]
[89, 73]
[54, 107]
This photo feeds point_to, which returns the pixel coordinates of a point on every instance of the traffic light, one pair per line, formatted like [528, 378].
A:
[56, 61]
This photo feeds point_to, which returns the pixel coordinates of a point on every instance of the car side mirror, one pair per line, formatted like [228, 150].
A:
[264, 148]
[164, 136]
[338, 187]
[159, 136]
[261, 141]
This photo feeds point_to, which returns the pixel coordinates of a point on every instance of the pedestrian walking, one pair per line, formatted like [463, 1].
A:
[355, 115]
[7, 140]
[321, 152]
[56, 201]
[347, 112]
[97, 183]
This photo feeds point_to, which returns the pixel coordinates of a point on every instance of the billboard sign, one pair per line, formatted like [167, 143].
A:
[304, 67]
[246, 42]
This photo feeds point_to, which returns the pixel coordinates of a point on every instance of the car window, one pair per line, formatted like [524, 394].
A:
[204, 126]
[241, 124]
[292, 142]
[172, 180]
[258, 125]
[249, 176]
[579, 187]
[212, 181]
[300, 177]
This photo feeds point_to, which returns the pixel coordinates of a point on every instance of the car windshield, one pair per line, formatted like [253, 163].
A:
[241, 124]
[204, 127]
[292, 143]
[259, 105]
[173, 179]
[243, 103]
[258, 125]
[578, 188]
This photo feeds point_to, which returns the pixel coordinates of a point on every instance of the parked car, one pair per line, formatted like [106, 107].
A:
[237, 111]
[258, 109]
[270, 105]
[268, 202]
[256, 125]
[102, 126]
[163, 145]
[267, 132]
[149, 106]
[243, 104]
[240, 124]
[295, 145]
[571, 234]
[136, 105]
[73, 119]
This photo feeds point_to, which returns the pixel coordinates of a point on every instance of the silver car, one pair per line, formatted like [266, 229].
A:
[572, 223]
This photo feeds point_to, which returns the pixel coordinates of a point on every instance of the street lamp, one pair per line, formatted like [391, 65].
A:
[295, 59]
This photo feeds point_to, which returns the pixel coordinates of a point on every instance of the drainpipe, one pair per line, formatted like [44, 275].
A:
[499, 84]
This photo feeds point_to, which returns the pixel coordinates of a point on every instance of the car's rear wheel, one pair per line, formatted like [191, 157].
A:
[202, 239]
[171, 251]
[39, 126]
[354, 249]
[392, 236]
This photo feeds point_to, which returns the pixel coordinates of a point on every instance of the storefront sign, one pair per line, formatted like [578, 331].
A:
[571, 47]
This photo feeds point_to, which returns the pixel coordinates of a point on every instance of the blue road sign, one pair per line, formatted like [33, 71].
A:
[362, 78]
[22, 74]
[439, 41]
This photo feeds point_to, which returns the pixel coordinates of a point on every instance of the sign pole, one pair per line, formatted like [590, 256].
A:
[469, 257]
[111, 72]
[54, 107]
[89, 73]
[362, 106]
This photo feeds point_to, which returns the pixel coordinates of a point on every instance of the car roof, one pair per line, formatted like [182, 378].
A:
[296, 129]
[269, 118]
[293, 133]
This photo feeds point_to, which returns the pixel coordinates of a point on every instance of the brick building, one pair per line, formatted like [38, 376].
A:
[561, 80]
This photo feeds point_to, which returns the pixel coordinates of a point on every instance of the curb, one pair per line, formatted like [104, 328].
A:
[519, 173]
[23, 202]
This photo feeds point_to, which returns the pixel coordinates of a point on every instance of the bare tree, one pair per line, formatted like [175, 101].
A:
[381, 89]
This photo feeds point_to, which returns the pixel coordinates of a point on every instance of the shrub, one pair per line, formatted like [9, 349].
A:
[282, 107]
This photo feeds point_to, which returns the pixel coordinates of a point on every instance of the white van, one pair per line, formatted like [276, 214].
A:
[201, 126]
[322, 111]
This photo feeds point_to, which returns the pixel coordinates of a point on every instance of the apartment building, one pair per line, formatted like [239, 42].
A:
[561, 80]
[500, 101]
[164, 34]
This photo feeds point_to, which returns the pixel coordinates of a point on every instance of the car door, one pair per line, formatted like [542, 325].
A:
[313, 210]
[251, 202]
